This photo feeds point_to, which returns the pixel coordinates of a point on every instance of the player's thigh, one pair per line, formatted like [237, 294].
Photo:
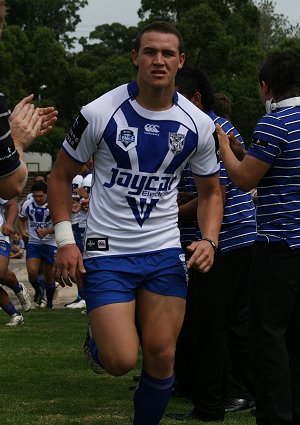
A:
[161, 319]
[114, 331]
[33, 265]
[3, 265]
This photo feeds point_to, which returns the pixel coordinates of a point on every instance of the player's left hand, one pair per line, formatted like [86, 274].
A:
[203, 256]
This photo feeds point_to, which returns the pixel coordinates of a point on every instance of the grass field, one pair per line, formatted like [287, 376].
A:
[45, 380]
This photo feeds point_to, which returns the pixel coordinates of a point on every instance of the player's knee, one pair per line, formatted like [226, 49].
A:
[118, 366]
[160, 357]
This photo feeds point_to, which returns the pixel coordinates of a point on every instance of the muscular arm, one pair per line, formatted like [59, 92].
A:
[11, 213]
[68, 263]
[210, 215]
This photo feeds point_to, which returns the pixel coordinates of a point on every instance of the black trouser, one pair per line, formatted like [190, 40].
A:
[275, 332]
[217, 304]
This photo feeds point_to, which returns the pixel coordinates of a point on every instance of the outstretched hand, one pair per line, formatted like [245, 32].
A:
[28, 122]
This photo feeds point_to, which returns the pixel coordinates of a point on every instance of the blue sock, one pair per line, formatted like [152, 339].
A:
[80, 295]
[10, 309]
[18, 288]
[50, 289]
[42, 282]
[36, 286]
[151, 399]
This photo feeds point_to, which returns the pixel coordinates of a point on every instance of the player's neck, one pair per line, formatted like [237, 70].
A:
[155, 100]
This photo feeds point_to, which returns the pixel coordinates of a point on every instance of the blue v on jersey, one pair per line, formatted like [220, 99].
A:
[276, 141]
[138, 158]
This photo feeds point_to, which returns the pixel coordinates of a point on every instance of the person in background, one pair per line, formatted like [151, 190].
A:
[17, 131]
[8, 215]
[41, 246]
[271, 164]
[218, 299]
[140, 136]
[17, 246]
[222, 106]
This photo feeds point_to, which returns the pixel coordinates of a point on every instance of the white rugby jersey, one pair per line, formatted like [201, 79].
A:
[86, 184]
[76, 184]
[3, 202]
[38, 217]
[138, 157]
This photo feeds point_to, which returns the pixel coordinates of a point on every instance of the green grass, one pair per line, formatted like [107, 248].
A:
[45, 380]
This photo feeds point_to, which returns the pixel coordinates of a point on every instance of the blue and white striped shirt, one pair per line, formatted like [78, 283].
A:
[238, 228]
[276, 141]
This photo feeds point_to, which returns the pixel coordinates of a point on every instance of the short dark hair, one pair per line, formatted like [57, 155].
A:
[222, 105]
[39, 186]
[192, 80]
[281, 72]
[159, 26]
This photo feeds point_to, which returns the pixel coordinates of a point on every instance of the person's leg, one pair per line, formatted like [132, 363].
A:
[8, 307]
[114, 332]
[9, 279]
[161, 318]
[33, 264]
[274, 281]
[184, 365]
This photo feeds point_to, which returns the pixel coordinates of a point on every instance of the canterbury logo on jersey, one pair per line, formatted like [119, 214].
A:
[152, 129]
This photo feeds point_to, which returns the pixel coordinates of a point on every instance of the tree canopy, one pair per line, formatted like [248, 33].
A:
[227, 39]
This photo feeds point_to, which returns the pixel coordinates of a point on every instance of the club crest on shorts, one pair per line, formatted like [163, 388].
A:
[176, 142]
[127, 137]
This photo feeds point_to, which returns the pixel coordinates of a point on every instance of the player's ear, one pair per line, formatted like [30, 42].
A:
[134, 57]
[181, 60]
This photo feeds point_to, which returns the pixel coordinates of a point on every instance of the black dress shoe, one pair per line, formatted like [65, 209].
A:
[235, 404]
[194, 414]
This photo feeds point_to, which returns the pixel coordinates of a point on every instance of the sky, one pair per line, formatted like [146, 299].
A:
[100, 12]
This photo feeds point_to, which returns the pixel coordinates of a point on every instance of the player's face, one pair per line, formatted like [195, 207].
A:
[158, 59]
[39, 197]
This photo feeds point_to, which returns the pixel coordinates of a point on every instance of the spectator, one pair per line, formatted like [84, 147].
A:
[220, 298]
[17, 246]
[271, 164]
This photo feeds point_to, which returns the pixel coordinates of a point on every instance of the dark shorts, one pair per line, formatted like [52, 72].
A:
[116, 279]
[43, 252]
[4, 249]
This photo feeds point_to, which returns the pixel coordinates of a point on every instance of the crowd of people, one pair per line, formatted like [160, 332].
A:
[162, 237]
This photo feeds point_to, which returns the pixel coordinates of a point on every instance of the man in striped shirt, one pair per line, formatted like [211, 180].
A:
[220, 297]
[272, 165]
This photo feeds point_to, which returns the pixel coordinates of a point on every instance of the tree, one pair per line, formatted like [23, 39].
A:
[59, 15]
[274, 27]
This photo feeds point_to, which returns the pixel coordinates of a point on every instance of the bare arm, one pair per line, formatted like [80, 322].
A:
[210, 215]
[68, 264]
[11, 212]
[245, 174]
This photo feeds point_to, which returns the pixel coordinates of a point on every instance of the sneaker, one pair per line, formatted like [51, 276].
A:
[43, 304]
[16, 320]
[24, 298]
[78, 304]
[96, 367]
[38, 298]
[84, 311]
[73, 302]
